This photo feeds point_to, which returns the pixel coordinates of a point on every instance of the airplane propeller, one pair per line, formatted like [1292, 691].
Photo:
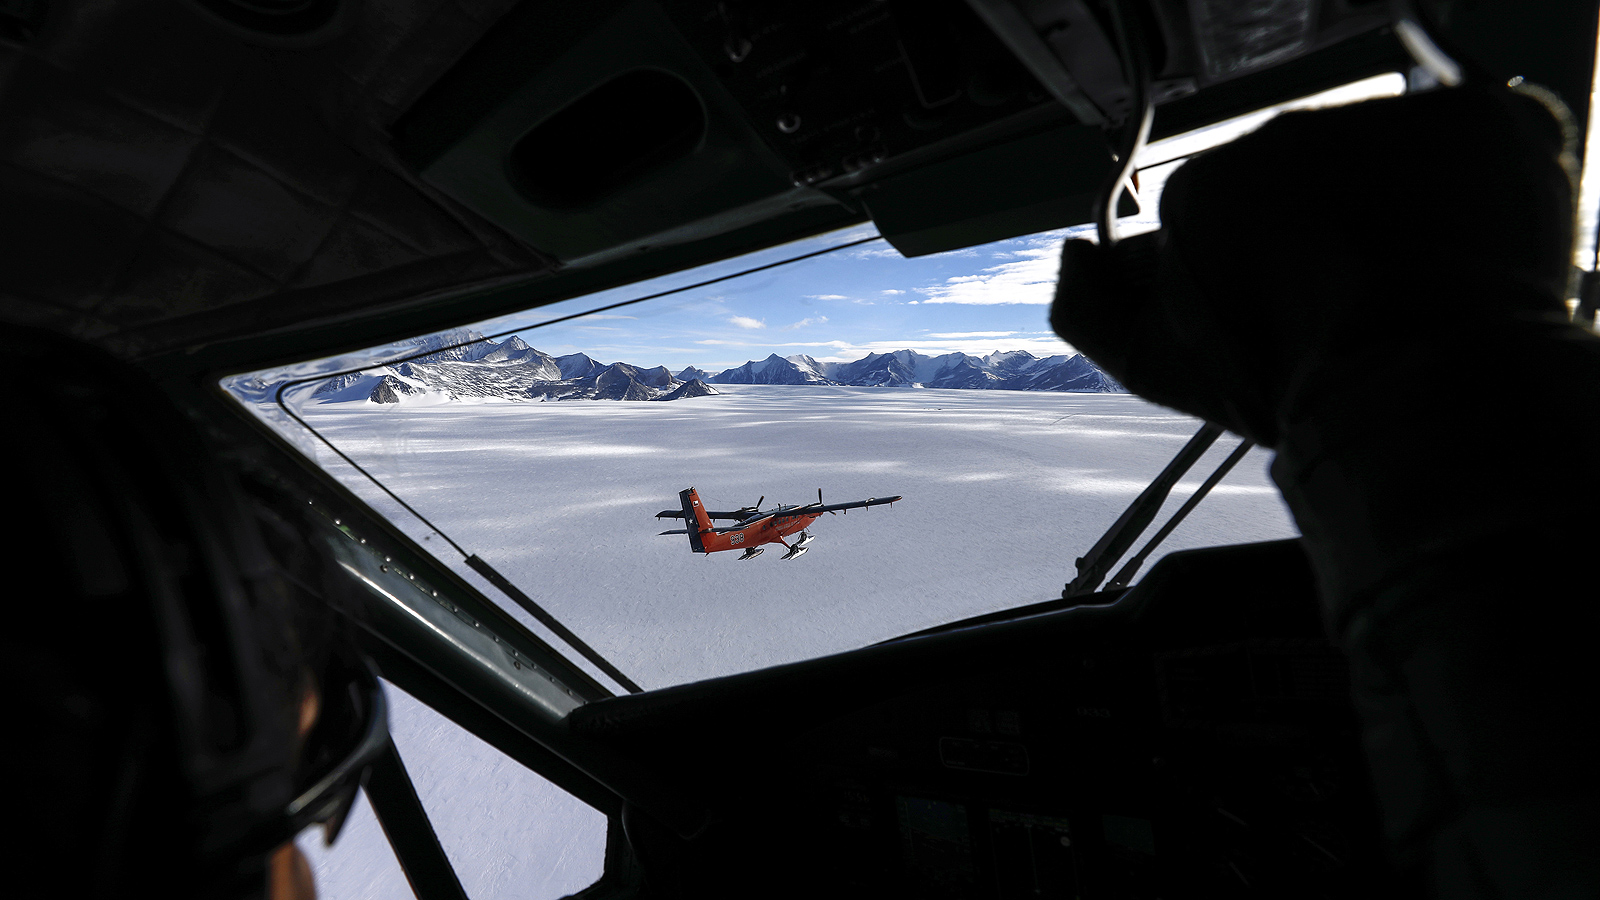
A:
[820, 503]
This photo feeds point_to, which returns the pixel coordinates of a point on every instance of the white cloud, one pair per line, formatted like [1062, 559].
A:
[828, 297]
[746, 322]
[956, 335]
[876, 253]
[893, 291]
[813, 320]
[860, 234]
[1029, 279]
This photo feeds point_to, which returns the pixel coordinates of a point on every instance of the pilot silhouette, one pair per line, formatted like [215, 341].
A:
[187, 699]
[1376, 293]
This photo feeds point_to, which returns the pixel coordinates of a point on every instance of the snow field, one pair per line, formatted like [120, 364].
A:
[1003, 491]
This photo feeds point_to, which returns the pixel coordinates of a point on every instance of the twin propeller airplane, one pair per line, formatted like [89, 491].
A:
[753, 526]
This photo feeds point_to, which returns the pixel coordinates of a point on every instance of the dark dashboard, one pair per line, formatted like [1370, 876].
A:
[1193, 736]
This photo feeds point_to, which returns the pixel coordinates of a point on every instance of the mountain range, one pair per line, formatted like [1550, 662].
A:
[1015, 370]
[465, 365]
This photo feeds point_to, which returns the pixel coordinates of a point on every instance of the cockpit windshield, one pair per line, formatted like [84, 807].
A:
[545, 446]
[547, 457]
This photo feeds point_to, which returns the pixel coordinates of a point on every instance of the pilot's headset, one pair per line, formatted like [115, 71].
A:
[183, 701]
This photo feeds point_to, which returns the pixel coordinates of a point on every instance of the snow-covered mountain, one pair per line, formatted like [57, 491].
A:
[1015, 370]
[691, 388]
[464, 365]
[461, 345]
[774, 370]
[1068, 373]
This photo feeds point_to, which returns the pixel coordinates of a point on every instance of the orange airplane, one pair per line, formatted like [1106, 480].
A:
[752, 527]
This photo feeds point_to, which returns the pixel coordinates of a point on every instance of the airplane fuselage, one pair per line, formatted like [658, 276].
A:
[772, 529]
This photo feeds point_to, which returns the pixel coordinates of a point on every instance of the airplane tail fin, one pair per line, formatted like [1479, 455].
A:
[694, 516]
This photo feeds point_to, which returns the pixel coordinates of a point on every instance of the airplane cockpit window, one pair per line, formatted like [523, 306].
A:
[848, 375]
[525, 838]
[691, 476]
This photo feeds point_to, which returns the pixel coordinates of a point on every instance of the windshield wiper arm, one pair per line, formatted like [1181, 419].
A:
[1126, 573]
[1093, 566]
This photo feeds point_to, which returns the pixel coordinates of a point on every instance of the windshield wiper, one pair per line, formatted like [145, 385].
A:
[1126, 573]
[1093, 566]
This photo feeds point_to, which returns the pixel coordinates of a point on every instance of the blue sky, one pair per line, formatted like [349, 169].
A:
[836, 307]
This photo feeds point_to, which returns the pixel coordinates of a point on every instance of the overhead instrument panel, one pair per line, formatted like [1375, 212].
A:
[836, 88]
[630, 127]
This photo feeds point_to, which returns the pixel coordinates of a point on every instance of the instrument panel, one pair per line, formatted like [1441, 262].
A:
[1115, 773]
[1195, 736]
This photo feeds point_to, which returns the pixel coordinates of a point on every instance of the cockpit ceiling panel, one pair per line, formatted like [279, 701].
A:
[168, 184]
[724, 179]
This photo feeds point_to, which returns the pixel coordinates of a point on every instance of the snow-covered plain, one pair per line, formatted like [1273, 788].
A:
[1003, 489]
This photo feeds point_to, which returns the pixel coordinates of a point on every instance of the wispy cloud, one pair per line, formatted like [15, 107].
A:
[607, 316]
[812, 320]
[829, 297]
[859, 233]
[1029, 278]
[958, 335]
[876, 253]
[893, 291]
[746, 322]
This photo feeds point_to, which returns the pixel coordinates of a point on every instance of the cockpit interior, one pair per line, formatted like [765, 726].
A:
[202, 190]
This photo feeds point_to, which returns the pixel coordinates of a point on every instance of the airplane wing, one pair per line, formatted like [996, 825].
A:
[870, 501]
[833, 507]
[711, 514]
